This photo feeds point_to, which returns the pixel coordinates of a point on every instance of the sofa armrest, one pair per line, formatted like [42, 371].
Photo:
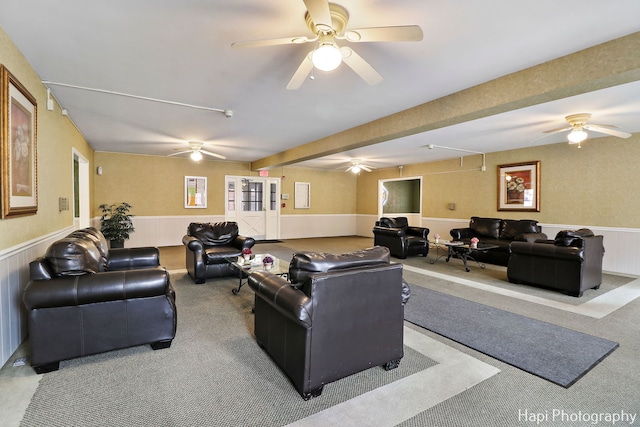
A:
[530, 237]
[461, 233]
[417, 231]
[279, 293]
[96, 288]
[192, 243]
[128, 258]
[244, 242]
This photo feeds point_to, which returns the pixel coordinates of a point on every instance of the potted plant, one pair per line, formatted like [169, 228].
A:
[267, 261]
[246, 254]
[474, 243]
[116, 223]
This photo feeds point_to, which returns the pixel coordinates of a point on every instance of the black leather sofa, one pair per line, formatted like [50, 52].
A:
[85, 299]
[498, 232]
[571, 263]
[208, 244]
[340, 315]
[401, 238]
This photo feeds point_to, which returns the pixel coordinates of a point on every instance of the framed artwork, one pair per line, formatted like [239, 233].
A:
[195, 192]
[302, 195]
[519, 187]
[18, 166]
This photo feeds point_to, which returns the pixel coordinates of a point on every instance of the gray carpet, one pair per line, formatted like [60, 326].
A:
[554, 353]
[214, 374]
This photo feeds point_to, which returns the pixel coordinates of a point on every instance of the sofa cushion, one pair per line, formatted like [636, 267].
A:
[73, 256]
[220, 233]
[572, 237]
[511, 228]
[304, 264]
[485, 227]
[398, 222]
[97, 238]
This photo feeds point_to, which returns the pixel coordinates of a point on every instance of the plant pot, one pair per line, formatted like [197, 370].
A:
[116, 244]
[247, 257]
[268, 265]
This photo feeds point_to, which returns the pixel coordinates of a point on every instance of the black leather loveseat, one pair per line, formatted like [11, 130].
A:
[571, 263]
[340, 315]
[401, 238]
[208, 245]
[498, 232]
[85, 299]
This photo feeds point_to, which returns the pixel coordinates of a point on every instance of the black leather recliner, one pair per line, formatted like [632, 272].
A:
[340, 315]
[571, 263]
[85, 299]
[208, 244]
[401, 238]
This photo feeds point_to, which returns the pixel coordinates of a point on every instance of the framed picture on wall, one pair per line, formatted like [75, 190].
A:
[302, 195]
[18, 166]
[195, 192]
[519, 187]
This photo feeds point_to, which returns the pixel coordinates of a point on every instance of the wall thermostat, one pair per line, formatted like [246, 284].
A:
[99, 170]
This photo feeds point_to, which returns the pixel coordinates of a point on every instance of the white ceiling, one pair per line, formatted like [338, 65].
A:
[181, 51]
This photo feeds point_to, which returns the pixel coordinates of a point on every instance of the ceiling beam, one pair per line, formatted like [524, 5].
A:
[609, 64]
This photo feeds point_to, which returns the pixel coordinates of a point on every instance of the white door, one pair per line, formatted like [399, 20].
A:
[81, 211]
[252, 202]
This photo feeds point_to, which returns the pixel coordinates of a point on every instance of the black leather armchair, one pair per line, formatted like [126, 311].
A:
[572, 263]
[85, 299]
[207, 245]
[342, 314]
[401, 238]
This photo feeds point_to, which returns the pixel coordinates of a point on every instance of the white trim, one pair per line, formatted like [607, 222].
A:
[14, 250]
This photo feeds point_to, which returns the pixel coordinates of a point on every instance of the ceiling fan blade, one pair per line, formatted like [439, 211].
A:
[301, 73]
[366, 168]
[320, 13]
[349, 168]
[209, 153]
[360, 66]
[180, 152]
[384, 34]
[607, 130]
[272, 42]
[549, 132]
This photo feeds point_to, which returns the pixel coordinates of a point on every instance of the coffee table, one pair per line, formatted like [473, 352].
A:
[465, 251]
[279, 267]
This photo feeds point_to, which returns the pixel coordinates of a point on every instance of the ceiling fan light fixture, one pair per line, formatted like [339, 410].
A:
[576, 136]
[326, 57]
[355, 169]
[196, 156]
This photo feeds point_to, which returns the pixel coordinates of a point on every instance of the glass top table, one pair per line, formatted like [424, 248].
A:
[279, 267]
[465, 251]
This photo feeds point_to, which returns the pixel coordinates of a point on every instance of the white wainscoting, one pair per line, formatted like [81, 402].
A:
[169, 230]
[14, 276]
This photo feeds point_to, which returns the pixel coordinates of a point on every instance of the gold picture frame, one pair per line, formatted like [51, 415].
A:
[519, 187]
[18, 152]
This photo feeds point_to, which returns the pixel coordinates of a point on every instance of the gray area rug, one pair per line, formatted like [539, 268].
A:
[557, 354]
[214, 374]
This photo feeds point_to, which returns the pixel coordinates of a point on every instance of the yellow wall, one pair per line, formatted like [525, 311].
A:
[594, 185]
[56, 137]
[154, 185]
[332, 192]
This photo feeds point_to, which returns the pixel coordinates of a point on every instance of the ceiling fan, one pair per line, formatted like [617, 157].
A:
[328, 22]
[197, 151]
[356, 166]
[578, 124]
